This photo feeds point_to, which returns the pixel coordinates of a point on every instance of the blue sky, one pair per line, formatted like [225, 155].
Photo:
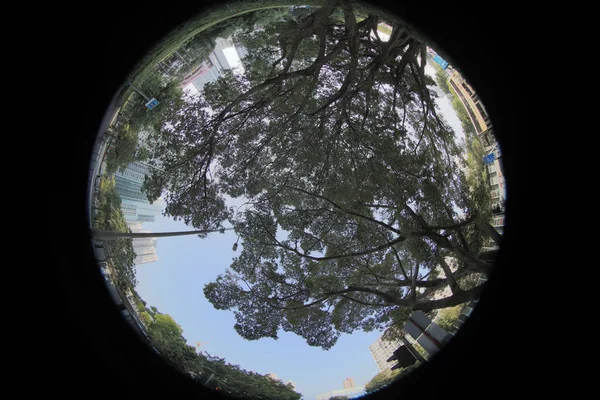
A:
[174, 284]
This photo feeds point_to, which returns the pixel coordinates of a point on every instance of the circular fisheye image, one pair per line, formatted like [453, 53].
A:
[296, 200]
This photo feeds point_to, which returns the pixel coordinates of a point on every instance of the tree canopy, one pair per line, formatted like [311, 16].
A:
[354, 186]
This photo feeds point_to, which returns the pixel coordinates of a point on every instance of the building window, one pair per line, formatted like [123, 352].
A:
[481, 110]
[464, 85]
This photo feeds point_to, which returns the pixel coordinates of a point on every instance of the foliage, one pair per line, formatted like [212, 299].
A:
[108, 210]
[166, 335]
[194, 26]
[169, 94]
[421, 350]
[110, 217]
[123, 149]
[462, 113]
[384, 378]
[441, 80]
[353, 182]
[448, 317]
[122, 257]
[146, 318]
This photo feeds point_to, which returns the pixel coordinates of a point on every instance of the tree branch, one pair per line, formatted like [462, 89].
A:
[454, 300]
[449, 277]
[391, 228]
[399, 262]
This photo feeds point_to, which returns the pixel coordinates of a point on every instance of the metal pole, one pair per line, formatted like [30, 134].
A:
[138, 90]
[112, 235]
[183, 59]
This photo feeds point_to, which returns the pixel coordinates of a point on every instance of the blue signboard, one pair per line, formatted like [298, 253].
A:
[443, 63]
[152, 103]
[489, 159]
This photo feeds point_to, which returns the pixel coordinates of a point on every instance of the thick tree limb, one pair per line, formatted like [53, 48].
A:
[489, 230]
[449, 276]
[454, 300]
[350, 212]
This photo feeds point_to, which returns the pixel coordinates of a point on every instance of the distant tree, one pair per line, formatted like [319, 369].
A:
[166, 335]
[382, 379]
[146, 318]
[110, 217]
[441, 80]
[122, 256]
[447, 317]
[338, 398]
[123, 149]
[169, 94]
[462, 113]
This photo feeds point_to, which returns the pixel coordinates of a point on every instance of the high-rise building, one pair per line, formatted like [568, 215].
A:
[212, 68]
[349, 383]
[144, 248]
[134, 202]
[382, 349]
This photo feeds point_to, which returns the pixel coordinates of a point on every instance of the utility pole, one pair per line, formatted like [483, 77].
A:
[112, 235]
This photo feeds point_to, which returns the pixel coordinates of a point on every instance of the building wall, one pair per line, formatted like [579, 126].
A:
[145, 259]
[350, 393]
[381, 350]
[213, 67]
[349, 383]
[144, 248]
[211, 74]
[134, 202]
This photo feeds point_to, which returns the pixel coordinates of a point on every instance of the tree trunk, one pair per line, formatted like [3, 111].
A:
[449, 277]
[489, 255]
[112, 235]
[489, 230]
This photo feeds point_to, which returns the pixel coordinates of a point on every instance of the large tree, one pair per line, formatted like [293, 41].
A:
[355, 195]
